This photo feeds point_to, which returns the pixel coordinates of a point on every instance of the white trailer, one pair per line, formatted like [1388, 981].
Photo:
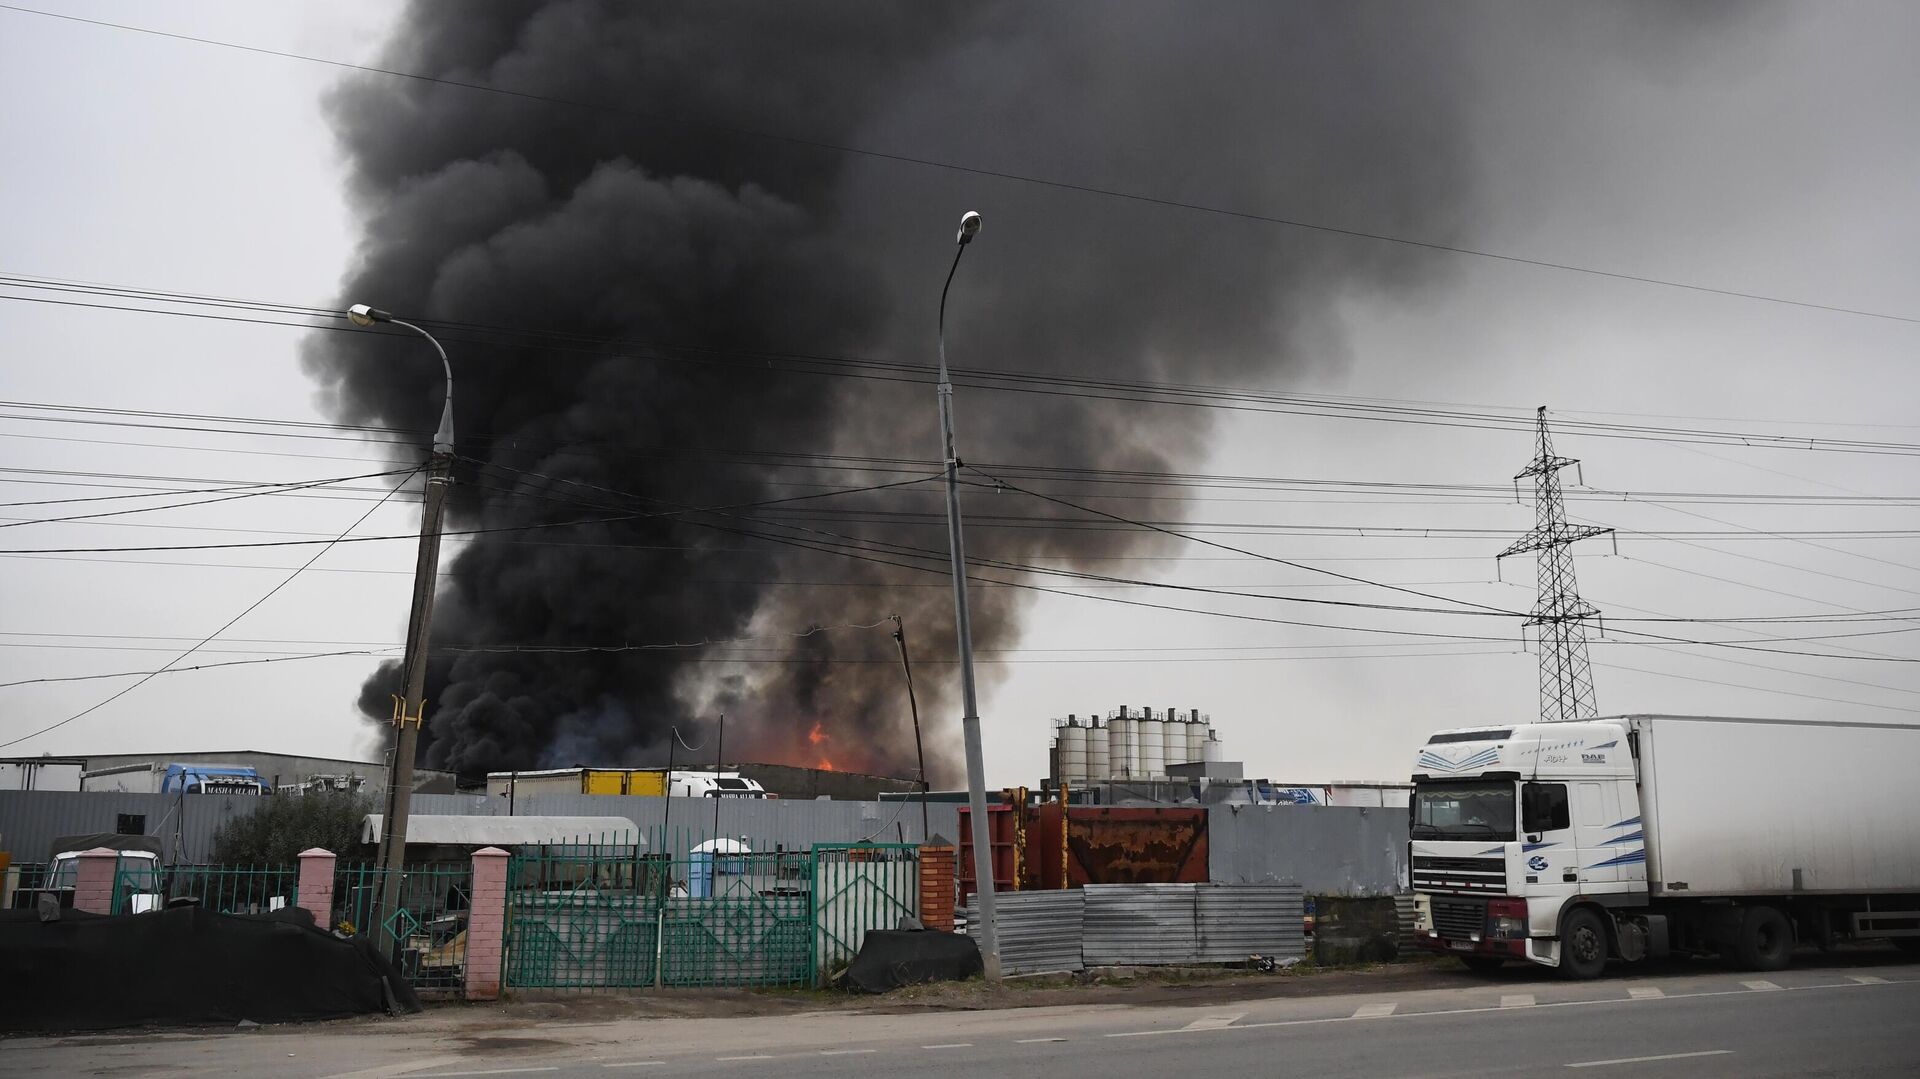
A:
[41, 773]
[1566, 844]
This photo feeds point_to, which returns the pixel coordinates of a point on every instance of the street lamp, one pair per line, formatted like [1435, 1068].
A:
[988, 933]
[409, 709]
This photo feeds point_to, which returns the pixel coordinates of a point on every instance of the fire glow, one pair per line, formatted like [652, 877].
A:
[815, 737]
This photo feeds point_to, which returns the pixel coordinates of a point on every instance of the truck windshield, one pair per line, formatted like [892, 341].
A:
[1463, 809]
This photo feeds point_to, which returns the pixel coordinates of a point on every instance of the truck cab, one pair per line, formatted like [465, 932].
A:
[1511, 827]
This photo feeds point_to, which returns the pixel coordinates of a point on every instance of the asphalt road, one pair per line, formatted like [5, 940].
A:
[1838, 1020]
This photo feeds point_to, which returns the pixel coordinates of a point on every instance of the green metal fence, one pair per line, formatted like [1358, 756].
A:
[426, 931]
[858, 887]
[142, 884]
[614, 912]
[23, 883]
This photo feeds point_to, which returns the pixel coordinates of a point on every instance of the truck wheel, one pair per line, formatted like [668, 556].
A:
[1765, 941]
[1483, 965]
[1583, 946]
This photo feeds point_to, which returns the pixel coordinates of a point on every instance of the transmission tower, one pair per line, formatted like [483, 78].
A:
[1566, 679]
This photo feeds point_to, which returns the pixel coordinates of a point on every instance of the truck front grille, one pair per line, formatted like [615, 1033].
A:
[1459, 874]
[1459, 919]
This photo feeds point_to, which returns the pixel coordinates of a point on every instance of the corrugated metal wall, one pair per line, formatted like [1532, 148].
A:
[1327, 850]
[31, 820]
[1039, 931]
[1117, 925]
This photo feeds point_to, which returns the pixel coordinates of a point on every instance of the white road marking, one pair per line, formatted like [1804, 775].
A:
[1866, 979]
[950, 1045]
[389, 1071]
[1647, 992]
[1030, 1041]
[1215, 1022]
[1760, 985]
[757, 1056]
[1517, 1000]
[1476, 1011]
[1374, 1011]
[634, 1064]
[1644, 1060]
[493, 1071]
[845, 1052]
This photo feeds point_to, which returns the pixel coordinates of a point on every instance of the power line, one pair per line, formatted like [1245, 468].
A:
[450, 532]
[1137, 198]
[834, 543]
[282, 488]
[1027, 381]
[250, 608]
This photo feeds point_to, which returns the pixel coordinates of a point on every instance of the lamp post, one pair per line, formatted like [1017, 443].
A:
[408, 709]
[988, 933]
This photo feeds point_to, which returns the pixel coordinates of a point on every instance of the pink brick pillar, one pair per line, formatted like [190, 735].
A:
[487, 924]
[316, 885]
[93, 890]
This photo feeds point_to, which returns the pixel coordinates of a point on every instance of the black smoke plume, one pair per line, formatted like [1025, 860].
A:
[673, 240]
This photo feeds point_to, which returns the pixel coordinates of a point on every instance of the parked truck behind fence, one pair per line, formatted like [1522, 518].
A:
[1568, 844]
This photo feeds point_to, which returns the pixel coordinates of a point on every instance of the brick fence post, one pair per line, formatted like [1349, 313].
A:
[315, 890]
[487, 924]
[93, 889]
[937, 887]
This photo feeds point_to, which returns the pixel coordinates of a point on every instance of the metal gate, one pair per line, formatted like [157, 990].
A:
[858, 887]
[427, 929]
[610, 916]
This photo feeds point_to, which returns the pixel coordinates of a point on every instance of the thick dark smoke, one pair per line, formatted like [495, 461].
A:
[663, 221]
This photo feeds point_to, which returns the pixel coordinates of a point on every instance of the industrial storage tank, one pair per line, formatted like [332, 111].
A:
[1122, 748]
[1153, 748]
[1073, 753]
[1098, 768]
[1196, 740]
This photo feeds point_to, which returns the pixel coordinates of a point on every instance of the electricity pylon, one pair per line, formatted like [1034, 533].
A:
[1566, 678]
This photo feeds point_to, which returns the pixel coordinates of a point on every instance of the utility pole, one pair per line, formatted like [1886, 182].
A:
[987, 933]
[913, 704]
[1566, 679]
[409, 710]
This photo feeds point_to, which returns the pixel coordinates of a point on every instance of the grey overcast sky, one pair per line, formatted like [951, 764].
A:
[1767, 150]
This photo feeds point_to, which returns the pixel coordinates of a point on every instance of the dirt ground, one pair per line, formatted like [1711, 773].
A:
[1120, 987]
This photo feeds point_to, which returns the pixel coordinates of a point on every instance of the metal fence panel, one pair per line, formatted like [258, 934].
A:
[428, 926]
[1039, 931]
[229, 889]
[1234, 921]
[1327, 850]
[857, 889]
[1147, 924]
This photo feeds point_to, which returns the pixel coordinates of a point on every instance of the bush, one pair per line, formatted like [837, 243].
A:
[285, 825]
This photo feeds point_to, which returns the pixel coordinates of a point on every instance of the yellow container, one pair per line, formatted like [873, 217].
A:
[597, 781]
[647, 781]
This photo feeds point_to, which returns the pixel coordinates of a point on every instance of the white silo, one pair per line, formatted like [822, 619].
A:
[1073, 754]
[1098, 768]
[1120, 748]
[1196, 730]
[1153, 748]
[1210, 751]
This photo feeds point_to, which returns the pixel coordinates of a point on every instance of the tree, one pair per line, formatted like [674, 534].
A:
[285, 825]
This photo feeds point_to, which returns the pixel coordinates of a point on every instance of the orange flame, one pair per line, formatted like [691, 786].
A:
[815, 737]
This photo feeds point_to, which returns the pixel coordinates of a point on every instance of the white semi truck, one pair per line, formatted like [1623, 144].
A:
[1568, 844]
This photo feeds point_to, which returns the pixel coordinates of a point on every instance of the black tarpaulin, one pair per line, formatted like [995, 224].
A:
[185, 965]
[890, 958]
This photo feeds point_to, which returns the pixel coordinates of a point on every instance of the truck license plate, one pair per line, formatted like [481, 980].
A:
[1462, 945]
